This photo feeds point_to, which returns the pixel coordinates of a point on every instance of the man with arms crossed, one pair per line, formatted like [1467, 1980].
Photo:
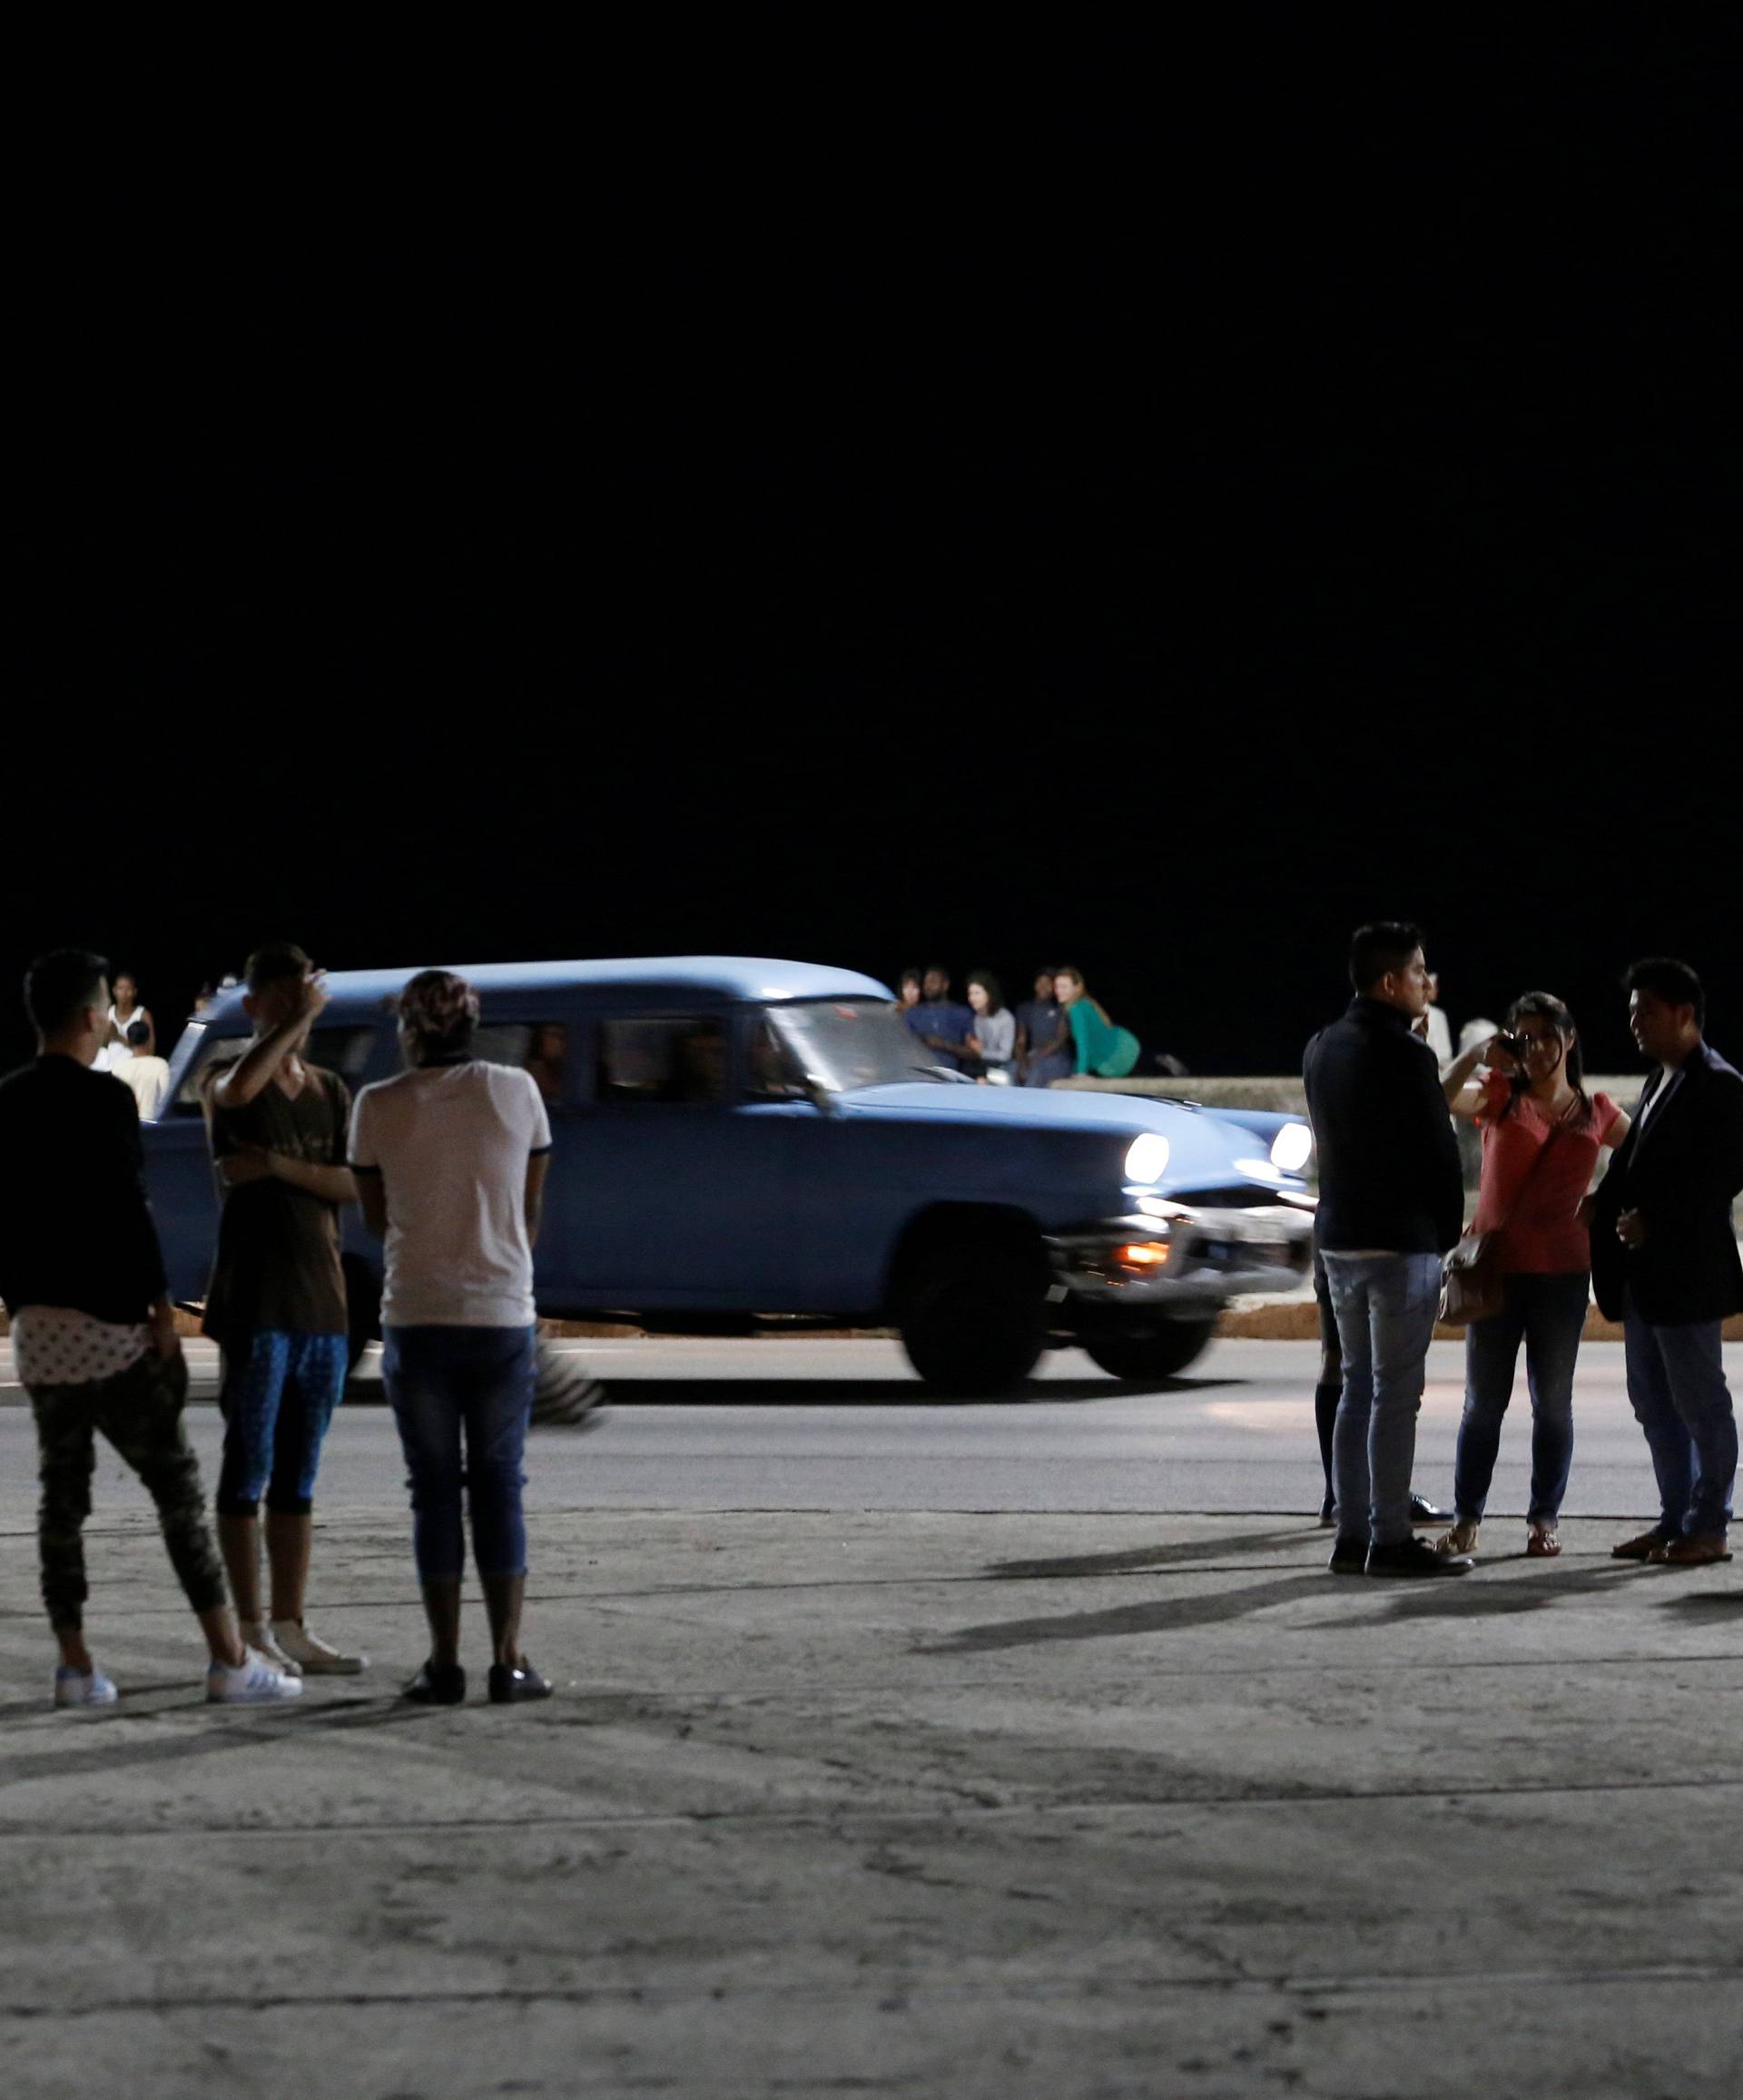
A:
[1390, 1202]
[1664, 1262]
[92, 1330]
[276, 1302]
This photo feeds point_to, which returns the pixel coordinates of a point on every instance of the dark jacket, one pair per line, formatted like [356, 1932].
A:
[1680, 1170]
[1388, 1162]
[75, 1228]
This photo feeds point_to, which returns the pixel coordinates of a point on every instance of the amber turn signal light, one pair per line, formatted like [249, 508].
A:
[1142, 1254]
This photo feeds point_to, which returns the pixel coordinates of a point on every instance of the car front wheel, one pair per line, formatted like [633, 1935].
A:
[1141, 1349]
[972, 1320]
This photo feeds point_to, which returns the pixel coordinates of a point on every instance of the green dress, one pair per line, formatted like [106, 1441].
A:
[1107, 1051]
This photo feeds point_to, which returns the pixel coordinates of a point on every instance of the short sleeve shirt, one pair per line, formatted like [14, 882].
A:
[451, 1144]
[278, 1263]
[1532, 1197]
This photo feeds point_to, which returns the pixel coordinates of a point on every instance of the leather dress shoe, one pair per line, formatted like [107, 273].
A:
[1693, 1550]
[1641, 1548]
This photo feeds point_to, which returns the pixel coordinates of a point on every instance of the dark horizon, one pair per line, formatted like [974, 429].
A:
[1051, 511]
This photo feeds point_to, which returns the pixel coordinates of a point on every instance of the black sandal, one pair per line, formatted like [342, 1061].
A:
[437, 1684]
[510, 1684]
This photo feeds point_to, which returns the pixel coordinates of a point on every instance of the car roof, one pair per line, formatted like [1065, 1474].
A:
[730, 976]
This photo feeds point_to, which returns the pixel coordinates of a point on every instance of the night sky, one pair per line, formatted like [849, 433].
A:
[1148, 503]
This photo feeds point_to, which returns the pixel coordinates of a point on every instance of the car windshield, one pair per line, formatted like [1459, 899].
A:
[844, 1044]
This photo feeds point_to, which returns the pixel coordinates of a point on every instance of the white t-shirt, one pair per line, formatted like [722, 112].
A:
[147, 1076]
[451, 1144]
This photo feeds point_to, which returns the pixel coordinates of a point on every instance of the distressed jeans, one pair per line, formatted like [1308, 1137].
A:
[1548, 1314]
[1676, 1386]
[1385, 1305]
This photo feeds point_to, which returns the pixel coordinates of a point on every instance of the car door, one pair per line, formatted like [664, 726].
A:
[847, 1182]
[660, 1194]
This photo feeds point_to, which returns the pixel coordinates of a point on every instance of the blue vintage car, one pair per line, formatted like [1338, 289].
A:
[737, 1140]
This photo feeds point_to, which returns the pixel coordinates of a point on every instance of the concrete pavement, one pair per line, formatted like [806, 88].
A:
[904, 1799]
[810, 1424]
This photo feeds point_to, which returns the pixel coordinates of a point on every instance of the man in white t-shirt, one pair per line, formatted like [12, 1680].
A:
[449, 1159]
[135, 1067]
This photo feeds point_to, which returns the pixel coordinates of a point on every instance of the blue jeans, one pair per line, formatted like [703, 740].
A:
[445, 1382]
[1676, 1386]
[1385, 1305]
[279, 1394]
[1548, 1314]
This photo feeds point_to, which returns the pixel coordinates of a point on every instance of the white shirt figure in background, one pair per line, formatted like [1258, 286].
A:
[133, 1065]
[123, 1012]
[1439, 1029]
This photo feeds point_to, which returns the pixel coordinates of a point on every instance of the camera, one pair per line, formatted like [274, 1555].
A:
[1516, 1047]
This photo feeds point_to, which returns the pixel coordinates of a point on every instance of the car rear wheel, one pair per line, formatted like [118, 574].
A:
[1148, 1348]
[972, 1319]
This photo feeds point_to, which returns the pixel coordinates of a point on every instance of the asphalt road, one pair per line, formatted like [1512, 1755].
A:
[843, 1424]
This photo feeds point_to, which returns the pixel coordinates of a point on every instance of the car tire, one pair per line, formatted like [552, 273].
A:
[972, 1321]
[1146, 1349]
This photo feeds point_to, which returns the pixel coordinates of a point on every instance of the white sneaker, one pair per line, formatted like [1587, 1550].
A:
[259, 1636]
[252, 1682]
[82, 1688]
[312, 1658]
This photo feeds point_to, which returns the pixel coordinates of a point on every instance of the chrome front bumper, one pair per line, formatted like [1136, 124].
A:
[1194, 1256]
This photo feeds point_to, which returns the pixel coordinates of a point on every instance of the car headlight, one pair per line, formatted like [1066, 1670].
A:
[1292, 1148]
[1147, 1159]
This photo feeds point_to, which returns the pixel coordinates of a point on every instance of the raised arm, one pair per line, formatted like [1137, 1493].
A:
[1465, 1099]
[257, 1066]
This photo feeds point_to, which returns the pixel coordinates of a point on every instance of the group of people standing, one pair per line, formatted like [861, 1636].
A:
[1653, 1237]
[1058, 1033]
[447, 1162]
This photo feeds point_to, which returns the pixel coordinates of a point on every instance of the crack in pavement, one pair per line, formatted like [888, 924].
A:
[963, 1808]
[1284, 1982]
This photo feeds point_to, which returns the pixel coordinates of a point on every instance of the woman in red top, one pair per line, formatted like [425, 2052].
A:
[1542, 1137]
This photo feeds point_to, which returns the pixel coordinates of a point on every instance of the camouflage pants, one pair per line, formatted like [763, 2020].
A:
[139, 1410]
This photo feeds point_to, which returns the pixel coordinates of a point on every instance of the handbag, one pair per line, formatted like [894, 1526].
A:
[1474, 1284]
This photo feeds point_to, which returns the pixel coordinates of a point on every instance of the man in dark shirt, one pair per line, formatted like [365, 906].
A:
[940, 1021]
[1664, 1263]
[1390, 1202]
[276, 1302]
[92, 1329]
[1044, 1050]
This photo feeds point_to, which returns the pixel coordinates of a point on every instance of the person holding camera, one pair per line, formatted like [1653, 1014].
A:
[1664, 1263]
[1543, 1135]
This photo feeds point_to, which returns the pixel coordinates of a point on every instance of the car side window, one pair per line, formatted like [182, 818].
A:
[770, 1073]
[539, 1047]
[676, 1058]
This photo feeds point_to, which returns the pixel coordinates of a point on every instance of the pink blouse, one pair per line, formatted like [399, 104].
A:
[1540, 1233]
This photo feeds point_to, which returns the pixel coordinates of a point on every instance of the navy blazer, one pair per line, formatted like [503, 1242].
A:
[1680, 1170]
[1388, 1161]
